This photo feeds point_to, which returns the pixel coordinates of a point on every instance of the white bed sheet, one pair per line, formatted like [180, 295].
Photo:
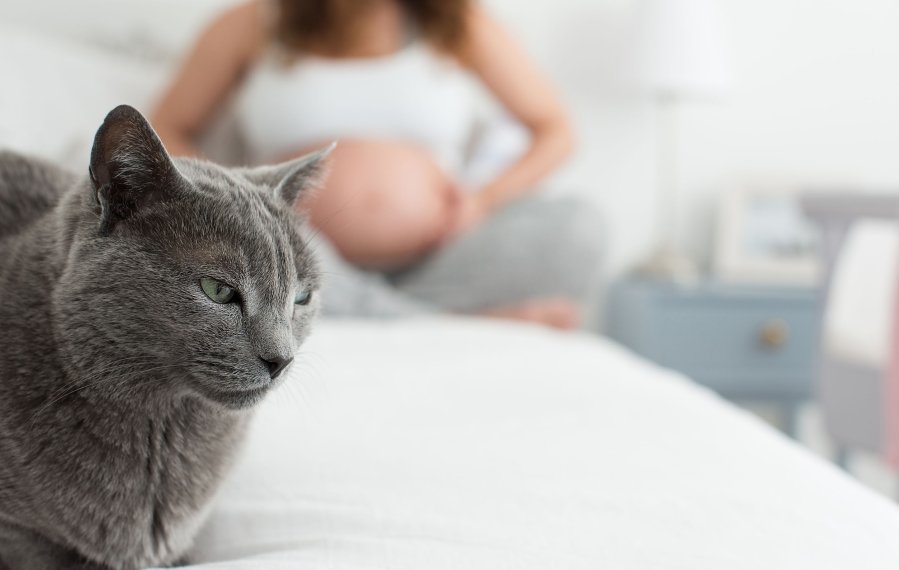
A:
[466, 444]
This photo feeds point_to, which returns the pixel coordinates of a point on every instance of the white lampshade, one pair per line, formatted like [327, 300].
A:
[681, 48]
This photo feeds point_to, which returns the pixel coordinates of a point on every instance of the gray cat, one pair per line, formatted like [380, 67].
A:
[144, 310]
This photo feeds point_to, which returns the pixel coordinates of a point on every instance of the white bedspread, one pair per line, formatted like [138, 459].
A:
[451, 444]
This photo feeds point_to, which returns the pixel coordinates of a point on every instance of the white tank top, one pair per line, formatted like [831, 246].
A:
[413, 96]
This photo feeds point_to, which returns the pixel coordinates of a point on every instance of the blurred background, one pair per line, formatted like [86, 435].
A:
[732, 147]
[808, 102]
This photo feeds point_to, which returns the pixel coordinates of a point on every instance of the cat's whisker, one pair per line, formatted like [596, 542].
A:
[317, 376]
[289, 392]
[106, 376]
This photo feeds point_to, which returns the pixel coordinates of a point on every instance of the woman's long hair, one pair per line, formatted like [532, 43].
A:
[330, 26]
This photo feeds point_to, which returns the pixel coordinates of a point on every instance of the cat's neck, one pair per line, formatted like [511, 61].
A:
[127, 424]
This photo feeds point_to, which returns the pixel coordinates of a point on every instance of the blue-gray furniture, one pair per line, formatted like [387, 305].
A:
[744, 342]
[850, 394]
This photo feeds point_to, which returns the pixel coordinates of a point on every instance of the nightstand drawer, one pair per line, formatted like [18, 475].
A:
[739, 347]
[744, 342]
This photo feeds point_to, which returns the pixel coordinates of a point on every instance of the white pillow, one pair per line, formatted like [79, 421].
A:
[861, 305]
[56, 93]
[150, 29]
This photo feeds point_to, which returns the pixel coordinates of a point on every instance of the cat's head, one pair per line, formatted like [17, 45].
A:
[184, 278]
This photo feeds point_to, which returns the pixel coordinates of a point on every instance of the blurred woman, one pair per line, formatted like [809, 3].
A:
[380, 76]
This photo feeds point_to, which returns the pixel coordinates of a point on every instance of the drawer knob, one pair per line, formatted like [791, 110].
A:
[774, 334]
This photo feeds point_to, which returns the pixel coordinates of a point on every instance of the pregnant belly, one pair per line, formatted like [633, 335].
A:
[383, 204]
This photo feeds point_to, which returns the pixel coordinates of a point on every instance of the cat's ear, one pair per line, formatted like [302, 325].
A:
[129, 168]
[291, 179]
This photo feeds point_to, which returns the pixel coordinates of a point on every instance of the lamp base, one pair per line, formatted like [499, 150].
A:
[668, 265]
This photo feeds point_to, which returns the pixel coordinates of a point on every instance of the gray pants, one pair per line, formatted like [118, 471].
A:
[534, 247]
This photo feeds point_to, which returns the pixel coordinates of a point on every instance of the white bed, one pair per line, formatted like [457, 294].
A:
[471, 444]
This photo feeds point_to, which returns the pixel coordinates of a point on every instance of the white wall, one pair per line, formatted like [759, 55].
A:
[815, 103]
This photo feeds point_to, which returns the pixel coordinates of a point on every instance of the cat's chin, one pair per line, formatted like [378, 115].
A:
[235, 399]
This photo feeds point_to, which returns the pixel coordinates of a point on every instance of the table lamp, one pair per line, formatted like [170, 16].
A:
[680, 57]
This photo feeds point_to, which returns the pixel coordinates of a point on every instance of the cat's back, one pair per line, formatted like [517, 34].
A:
[29, 187]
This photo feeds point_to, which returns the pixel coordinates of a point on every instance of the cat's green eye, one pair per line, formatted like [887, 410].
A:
[303, 297]
[217, 291]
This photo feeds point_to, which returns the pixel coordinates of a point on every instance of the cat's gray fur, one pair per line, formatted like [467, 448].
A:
[124, 390]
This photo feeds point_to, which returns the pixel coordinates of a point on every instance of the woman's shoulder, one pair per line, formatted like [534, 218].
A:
[480, 28]
[244, 28]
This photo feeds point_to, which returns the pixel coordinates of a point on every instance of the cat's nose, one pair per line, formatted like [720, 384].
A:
[276, 365]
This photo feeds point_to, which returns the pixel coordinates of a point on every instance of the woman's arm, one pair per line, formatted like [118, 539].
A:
[212, 70]
[510, 75]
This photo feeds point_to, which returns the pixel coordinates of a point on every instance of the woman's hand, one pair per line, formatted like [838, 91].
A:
[467, 210]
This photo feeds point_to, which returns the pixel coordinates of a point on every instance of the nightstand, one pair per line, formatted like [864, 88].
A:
[748, 343]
